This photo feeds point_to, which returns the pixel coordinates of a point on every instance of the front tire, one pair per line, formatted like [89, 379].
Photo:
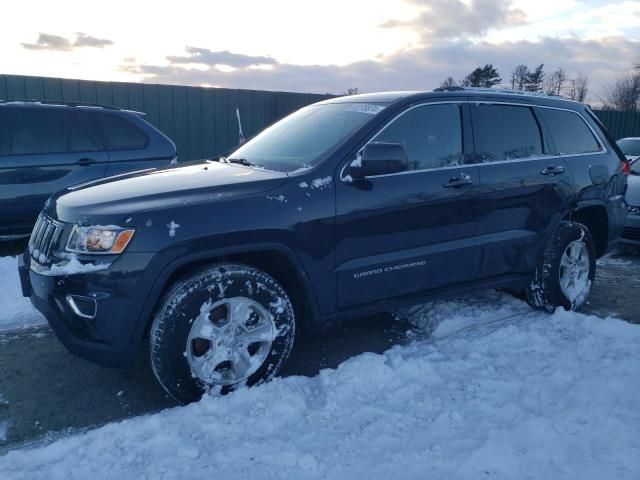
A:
[224, 326]
[566, 271]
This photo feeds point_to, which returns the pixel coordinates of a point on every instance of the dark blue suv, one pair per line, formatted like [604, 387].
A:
[47, 146]
[346, 207]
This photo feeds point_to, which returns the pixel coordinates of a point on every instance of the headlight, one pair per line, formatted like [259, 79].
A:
[98, 239]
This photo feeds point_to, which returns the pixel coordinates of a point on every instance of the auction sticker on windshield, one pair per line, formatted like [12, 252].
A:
[366, 108]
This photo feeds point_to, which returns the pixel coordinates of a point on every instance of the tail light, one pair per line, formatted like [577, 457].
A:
[626, 166]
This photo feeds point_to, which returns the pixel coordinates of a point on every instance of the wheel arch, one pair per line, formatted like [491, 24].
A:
[274, 259]
[593, 215]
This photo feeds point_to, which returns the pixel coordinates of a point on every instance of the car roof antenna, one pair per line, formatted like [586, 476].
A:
[240, 134]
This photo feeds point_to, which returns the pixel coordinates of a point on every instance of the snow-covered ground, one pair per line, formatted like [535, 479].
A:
[488, 388]
[16, 312]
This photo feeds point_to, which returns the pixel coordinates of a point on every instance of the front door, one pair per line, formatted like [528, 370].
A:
[43, 150]
[406, 233]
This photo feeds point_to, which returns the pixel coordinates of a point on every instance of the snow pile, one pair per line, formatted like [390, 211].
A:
[16, 311]
[497, 391]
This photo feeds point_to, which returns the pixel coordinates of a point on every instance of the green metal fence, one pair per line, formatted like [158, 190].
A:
[201, 121]
[620, 124]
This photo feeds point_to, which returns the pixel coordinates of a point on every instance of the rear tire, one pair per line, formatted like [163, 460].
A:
[224, 326]
[566, 270]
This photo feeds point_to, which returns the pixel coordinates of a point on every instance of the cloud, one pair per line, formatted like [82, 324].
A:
[47, 41]
[448, 19]
[418, 68]
[203, 56]
[84, 40]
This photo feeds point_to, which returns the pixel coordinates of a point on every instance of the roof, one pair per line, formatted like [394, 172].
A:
[388, 97]
[60, 103]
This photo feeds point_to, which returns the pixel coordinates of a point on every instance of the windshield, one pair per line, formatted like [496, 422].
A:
[630, 147]
[305, 137]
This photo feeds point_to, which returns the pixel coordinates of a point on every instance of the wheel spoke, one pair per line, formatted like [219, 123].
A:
[241, 363]
[263, 332]
[574, 251]
[240, 309]
[565, 262]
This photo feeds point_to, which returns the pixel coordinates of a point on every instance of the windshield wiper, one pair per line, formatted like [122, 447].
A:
[241, 161]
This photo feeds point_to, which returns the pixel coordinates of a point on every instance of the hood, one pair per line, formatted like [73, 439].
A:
[633, 190]
[111, 199]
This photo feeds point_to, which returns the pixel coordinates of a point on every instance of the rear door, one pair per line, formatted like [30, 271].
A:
[43, 150]
[401, 234]
[525, 187]
[132, 144]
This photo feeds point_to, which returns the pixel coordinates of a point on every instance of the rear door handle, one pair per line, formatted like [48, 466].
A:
[463, 180]
[85, 161]
[553, 170]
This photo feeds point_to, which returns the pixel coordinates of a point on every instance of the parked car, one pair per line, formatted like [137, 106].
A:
[47, 146]
[631, 149]
[346, 207]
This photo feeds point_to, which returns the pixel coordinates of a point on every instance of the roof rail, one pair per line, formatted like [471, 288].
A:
[61, 103]
[457, 88]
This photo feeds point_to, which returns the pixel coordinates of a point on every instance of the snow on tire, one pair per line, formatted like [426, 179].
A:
[223, 326]
[566, 271]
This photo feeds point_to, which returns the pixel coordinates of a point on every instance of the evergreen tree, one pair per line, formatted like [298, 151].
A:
[486, 76]
[535, 80]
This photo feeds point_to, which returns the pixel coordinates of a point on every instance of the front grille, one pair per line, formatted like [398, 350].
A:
[631, 233]
[44, 237]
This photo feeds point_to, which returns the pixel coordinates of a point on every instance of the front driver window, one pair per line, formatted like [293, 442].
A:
[430, 134]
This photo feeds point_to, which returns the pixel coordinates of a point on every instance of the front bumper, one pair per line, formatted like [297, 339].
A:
[112, 336]
[631, 232]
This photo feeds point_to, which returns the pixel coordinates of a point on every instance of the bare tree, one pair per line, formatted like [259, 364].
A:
[352, 91]
[624, 93]
[519, 77]
[555, 82]
[578, 88]
[448, 82]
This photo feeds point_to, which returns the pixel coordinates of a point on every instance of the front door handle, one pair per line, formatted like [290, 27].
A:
[85, 161]
[463, 180]
[553, 170]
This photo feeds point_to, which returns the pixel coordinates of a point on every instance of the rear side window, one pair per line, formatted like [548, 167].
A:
[505, 132]
[431, 136]
[569, 131]
[119, 133]
[35, 131]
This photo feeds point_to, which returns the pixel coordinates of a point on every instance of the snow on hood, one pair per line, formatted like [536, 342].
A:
[497, 391]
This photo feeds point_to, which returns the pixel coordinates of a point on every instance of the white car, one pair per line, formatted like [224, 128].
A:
[631, 149]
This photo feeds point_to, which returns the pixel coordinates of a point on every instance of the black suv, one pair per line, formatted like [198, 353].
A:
[47, 146]
[349, 206]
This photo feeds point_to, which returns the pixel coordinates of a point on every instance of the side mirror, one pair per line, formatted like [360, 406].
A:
[379, 158]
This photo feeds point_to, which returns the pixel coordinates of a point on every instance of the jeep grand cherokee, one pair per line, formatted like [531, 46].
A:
[345, 207]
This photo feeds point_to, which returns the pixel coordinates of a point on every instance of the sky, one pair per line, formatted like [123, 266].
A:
[322, 46]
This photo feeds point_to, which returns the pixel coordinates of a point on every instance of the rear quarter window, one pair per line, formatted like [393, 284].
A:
[118, 132]
[569, 131]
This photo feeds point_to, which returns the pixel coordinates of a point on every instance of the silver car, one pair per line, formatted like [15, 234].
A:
[631, 149]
